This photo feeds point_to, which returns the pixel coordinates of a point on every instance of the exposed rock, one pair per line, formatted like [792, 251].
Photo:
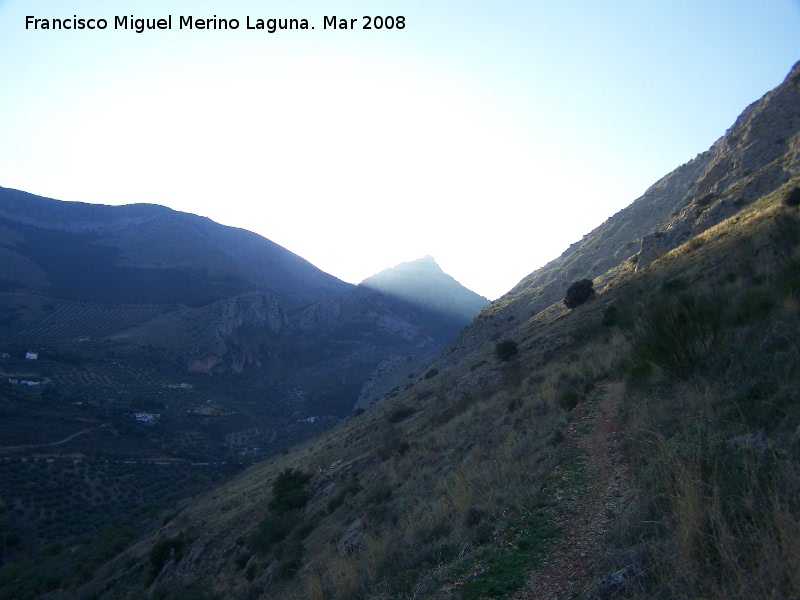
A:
[758, 154]
[613, 584]
[351, 538]
[390, 375]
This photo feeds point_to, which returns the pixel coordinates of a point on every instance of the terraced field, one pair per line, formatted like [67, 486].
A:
[59, 321]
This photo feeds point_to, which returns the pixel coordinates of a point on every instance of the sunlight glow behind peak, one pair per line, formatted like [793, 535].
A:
[490, 137]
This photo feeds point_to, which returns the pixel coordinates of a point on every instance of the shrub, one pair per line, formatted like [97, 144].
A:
[611, 316]
[792, 198]
[164, 550]
[273, 529]
[789, 278]
[705, 200]
[401, 413]
[506, 350]
[569, 399]
[288, 491]
[290, 559]
[675, 285]
[381, 494]
[432, 373]
[679, 334]
[578, 293]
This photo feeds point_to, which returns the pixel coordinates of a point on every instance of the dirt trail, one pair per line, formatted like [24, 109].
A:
[6, 449]
[574, 565]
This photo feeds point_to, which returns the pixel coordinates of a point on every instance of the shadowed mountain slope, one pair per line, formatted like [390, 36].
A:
[256, 330]
[144, 254]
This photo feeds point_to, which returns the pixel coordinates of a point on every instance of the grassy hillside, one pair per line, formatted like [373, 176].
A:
[467, 483]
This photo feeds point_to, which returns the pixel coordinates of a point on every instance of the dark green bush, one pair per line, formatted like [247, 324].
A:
[288, 491]
[792, 198]
[557, 436]
[401, 413]
[432, 373]
[475, 515]
[164, 550]
[273, 529]
[611, 316]
[705, 200]
[753, 305]
[506, 350]
[579, 292]
[679, 334]
[569, 399]
[675, 285]
[789, 278]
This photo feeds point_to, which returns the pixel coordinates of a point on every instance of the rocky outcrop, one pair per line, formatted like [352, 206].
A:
[389, 377]
[240, 329]
[758, 154]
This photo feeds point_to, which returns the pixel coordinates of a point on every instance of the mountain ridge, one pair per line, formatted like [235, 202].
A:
[155, 239]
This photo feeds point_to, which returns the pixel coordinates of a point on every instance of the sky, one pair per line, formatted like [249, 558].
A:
[489, 135]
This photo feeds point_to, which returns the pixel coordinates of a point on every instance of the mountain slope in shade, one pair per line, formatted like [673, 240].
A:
[423, 283]
[143, 254]
[122, 302]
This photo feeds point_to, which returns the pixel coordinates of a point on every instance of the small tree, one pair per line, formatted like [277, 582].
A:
[288, 491]
[792, 198]
[506, 350]
[578, 293]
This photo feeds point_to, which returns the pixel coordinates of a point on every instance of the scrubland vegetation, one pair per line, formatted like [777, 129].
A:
[450, 489]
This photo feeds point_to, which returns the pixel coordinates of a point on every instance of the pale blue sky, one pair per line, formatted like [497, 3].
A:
[489, 135]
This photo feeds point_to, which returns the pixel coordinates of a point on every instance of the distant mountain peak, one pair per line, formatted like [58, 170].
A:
[423, 282]
[427, 262]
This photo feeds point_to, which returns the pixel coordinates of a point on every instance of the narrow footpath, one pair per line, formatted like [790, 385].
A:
[574, 564]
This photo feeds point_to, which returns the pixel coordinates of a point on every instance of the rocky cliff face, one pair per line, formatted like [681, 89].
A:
[758, 154]
[240, 332]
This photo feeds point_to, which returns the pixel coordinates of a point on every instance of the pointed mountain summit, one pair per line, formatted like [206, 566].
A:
[423, 283]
